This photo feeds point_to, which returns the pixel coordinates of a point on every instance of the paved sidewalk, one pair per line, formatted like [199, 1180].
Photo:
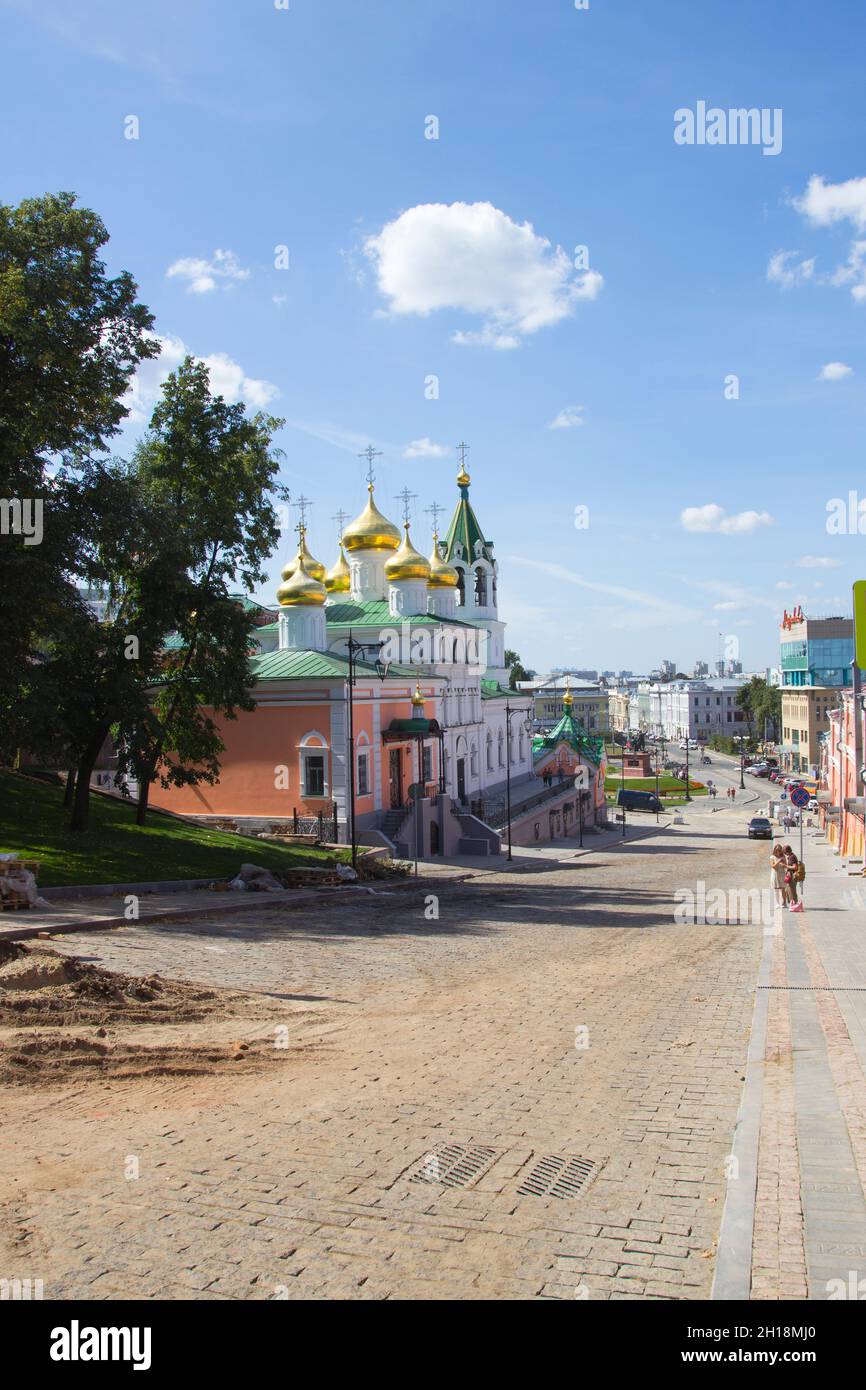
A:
[796, 1196]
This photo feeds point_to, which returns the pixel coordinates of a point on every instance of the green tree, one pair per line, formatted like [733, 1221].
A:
[516, 670]
[70, 340]
[211, 473]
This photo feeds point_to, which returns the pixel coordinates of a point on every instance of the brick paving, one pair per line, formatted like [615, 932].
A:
[558, 1009]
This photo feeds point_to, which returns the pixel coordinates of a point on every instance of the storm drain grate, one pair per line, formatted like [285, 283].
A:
[454, 1165]
[558, 1176]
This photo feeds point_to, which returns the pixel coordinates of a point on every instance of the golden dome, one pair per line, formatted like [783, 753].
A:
[302, 590]
[442, 575]
[315, 569]
[418, 698]
[568, 698]
[338, 579]
[408, 563]
[463, 477]
[371, 530]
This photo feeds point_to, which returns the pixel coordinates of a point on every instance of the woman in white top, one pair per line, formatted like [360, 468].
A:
[778, 868]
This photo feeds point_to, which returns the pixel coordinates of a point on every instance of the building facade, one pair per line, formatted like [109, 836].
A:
[816, 656]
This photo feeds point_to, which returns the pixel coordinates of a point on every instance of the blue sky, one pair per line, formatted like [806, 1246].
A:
[305, 127]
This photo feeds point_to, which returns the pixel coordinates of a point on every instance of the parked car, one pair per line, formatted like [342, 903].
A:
[760, 828]
[638, 801]
[813, 804]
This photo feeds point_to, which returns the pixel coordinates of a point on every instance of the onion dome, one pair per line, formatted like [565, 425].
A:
[338, 578]
[442, 575]
[463, 477]
[302, 589]
[371, 530]
[418, 698]
[408, 563]
[568, 700]
[314, 568]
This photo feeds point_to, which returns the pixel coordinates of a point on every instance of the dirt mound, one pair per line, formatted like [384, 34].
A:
[37, 1058]
[40, 985]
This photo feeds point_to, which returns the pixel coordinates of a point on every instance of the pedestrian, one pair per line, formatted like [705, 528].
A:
[778, 869]
[792, 877]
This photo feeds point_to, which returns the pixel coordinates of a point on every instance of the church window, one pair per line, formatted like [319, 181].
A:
[313, 773]
[489, 751]
[480, 588]
[363, 774]
[461, 587]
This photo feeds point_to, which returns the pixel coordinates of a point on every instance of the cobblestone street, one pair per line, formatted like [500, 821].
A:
[433, 1067]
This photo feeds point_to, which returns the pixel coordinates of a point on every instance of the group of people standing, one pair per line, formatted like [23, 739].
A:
[786, 871]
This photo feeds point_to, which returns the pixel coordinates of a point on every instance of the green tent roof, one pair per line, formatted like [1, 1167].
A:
[465, 529]
[569, 730]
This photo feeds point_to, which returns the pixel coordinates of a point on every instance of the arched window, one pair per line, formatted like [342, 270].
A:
[461, 586]
[500, 748]
[473, 760]
[489, 751]
[520, 742]
[480, 587]
[313, 755]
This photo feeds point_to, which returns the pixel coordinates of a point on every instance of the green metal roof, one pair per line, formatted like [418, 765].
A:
[292, 664]
[569, 730]
[376, 613]
[465, 529]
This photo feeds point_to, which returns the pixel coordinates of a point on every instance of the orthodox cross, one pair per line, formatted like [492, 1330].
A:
[341, 518]
[369, 454]
[434, 510]
[407, 498]
[464, 450]
[302, 504]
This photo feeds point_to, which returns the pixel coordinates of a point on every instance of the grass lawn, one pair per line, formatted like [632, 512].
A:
[33, 824]
[667, 783]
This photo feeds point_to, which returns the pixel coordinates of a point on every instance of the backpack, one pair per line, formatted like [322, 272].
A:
[800, 872]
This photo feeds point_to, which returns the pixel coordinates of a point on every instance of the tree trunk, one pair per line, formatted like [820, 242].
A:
[69, 793]
[81, 799]
[143, 796]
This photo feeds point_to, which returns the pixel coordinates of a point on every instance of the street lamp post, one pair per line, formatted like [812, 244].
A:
[352, 647]
[527, 724]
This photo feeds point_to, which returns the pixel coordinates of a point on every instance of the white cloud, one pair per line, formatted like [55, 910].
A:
[567, 418]
[818, 562]
[853, 272]
[730, 606]
[227, 379]
[784, 584]
[834, 371]
[203, 276]
[715, 518]
[825, 203]
[472, 257]
[425, 449]
[782, 272]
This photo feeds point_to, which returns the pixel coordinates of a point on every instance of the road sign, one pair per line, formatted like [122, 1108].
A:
[783, 796]
[860, 623]
[800, 798]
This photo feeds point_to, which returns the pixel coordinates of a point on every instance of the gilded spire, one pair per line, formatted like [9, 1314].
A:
[338, 578]
[371, 530]
[442, 575]
[301, 589]
[408, 563]
[313, 567]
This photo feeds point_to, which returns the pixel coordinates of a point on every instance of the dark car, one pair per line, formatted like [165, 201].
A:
[760, 828]
[639, 801]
